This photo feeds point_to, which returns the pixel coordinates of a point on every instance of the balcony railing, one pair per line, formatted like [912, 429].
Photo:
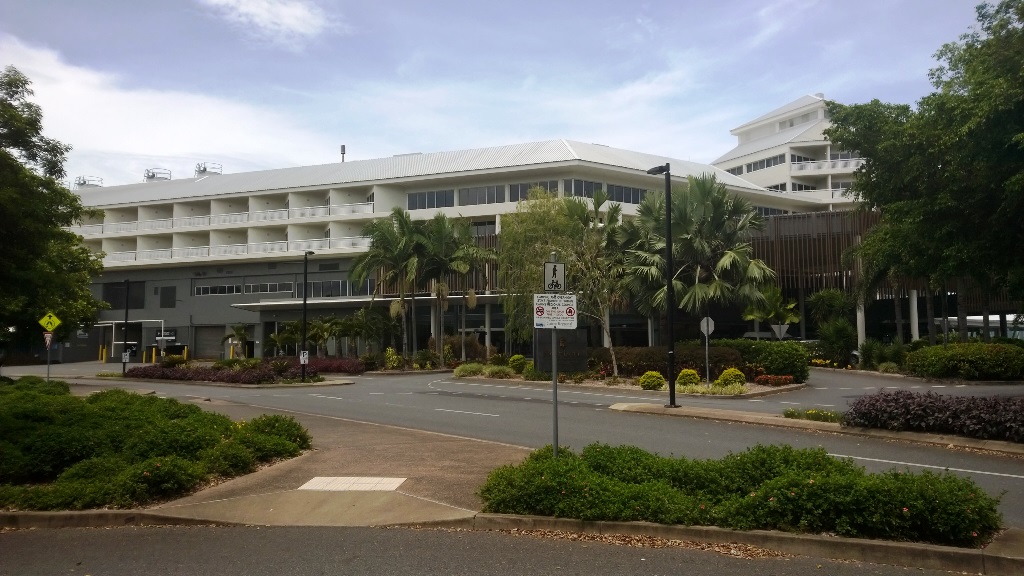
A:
[220, 219]
[347, 243]
[849, 165]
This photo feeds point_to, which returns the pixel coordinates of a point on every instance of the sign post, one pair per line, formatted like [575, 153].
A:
[707, 326]
[554, 311]
[304, 357]
[49, 322]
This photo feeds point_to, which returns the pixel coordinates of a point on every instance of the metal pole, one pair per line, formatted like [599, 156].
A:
[670, 289]
[124, 338]
[554, 383]
[48, 361]
[305, 296]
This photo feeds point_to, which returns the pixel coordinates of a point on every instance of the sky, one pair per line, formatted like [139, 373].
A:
[263, 84]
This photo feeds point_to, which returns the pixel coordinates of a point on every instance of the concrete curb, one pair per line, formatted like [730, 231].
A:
[976, 561]
[1011, 448]
[98, 519]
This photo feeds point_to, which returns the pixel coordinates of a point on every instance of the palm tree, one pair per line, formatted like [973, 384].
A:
[321, 331]
[239, 337]
[448, 250]
[278, 341]
[775, 310]
[711, 252]
[393, 256]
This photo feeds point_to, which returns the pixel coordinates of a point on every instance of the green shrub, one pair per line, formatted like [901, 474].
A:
[813, 414]
[498, 359]
[500, 372]
[730, 390]
[392, 360]
[837, 338]
[155, 478]
[895, 353]
[764, 487]
[532, 374]
[517, 362]
[265, 447]
[372, 361]
[782, 359]
[427, 358]
[172, 360]
[870, 354]
[971, 361]
[92, 469]
[731, 377]
[888, 368]
[687, 377]
[471, 369]
[37, 385]
[286, 427]
[651, 380]
[228, 459]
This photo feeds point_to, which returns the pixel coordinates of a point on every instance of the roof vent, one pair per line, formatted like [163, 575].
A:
[152, 174]
[88, 182]
[208, 168]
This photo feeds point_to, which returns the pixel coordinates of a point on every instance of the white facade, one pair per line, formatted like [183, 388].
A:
[785, 150]
[274, 214]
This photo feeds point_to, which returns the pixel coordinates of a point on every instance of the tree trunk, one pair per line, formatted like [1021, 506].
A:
[961, 311]
[929, 305]
[985, 335]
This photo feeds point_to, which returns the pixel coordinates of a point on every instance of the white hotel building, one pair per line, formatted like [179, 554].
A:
[212, 250]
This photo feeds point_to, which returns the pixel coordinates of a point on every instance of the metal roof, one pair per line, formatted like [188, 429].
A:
[382, 170]
[801, 102]
[768, 142]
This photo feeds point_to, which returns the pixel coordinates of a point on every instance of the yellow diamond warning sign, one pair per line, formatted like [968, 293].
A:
[49, 321]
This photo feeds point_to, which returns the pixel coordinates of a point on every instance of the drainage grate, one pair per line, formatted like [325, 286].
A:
[352, 483]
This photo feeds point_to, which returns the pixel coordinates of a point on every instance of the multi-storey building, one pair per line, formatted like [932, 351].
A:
[207, 252]
[785, 151]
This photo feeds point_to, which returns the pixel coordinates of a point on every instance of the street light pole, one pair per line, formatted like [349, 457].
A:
[124, 336]
[670, 295]
[305, 296]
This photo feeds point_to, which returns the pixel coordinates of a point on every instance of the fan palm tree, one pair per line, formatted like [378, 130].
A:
[448, 249]
[239, 337]
[775, 310]
[393, 256]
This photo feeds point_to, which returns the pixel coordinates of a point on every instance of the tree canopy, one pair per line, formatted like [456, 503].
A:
[948, 176]
[43, 266]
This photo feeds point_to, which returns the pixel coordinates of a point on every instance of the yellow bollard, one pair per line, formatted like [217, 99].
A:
[186, 353]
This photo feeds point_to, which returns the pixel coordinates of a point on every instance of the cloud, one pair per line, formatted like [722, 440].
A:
[118, 132]
[287, 23]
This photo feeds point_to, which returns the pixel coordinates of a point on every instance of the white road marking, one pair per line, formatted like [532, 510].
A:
[755, 400]
[846, 388]
[892, 387]
[376, 393]
[820, 388]
[961, 385]
[827, 405]
[464, 412]
[796, 403]
[929, 466]
[939, 386]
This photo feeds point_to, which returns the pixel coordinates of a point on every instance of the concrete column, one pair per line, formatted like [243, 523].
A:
[861, 329]
[487, 329]
[433, 323]
[915, 330]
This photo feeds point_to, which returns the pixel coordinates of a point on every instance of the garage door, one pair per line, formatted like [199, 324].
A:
[208, 344]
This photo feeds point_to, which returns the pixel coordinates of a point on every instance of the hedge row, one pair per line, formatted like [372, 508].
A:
[970, 361]
[120, 449]
[753, 358]
[763, 488]
[262, 374]
[988, 418]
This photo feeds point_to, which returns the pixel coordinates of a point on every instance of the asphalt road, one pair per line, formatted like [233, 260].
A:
[277, 551]
[521, 414]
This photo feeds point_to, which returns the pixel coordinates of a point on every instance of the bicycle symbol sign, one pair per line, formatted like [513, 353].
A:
[554, 277]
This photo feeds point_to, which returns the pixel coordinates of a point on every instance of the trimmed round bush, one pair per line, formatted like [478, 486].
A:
[651, 380]
[783, 359]
[518, 363]
[228, 459]
[500, 372]
[286, 427]
[687, 377]
[470, 369]
[265, 447]
[731, 377]
[888, 368]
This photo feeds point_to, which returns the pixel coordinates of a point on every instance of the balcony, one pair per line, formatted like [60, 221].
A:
[351, 243]
[825, 166]
[222, 219]
[833, 195]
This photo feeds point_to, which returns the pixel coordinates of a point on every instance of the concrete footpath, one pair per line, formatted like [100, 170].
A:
[364, 474]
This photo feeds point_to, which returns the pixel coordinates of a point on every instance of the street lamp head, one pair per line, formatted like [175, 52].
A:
[310, 252]
[658, 170]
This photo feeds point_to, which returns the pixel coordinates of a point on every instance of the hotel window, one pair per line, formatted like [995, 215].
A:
[268, 288]
[431, 199]
[517, 192]
[803, 187]
[481, 195]
[323, 288]
[798, 158]
[777, 187]
[737, 171]
[764, 211]
[221, 290]
[766, 163]
[487, 228]
[842, 155]
[581, 188]
[626, 194]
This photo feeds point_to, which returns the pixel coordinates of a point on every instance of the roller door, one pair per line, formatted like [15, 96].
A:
[208, 344]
